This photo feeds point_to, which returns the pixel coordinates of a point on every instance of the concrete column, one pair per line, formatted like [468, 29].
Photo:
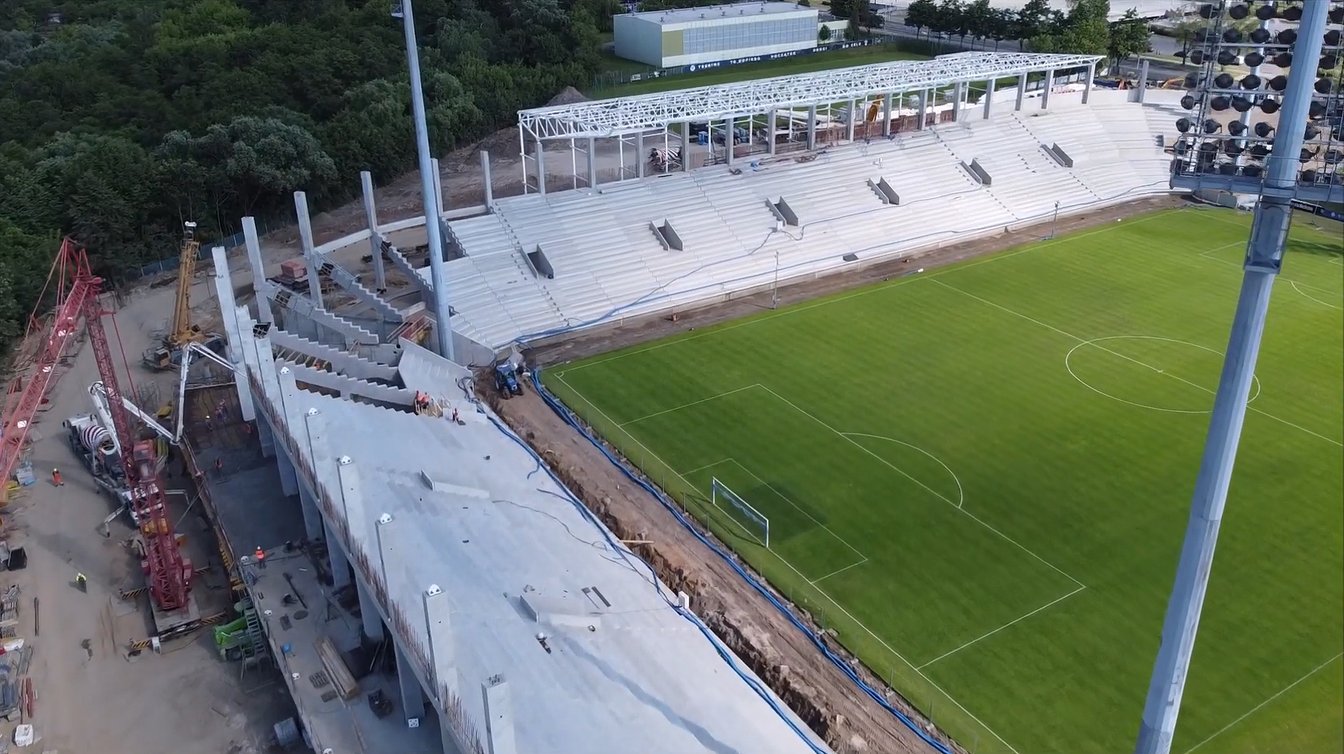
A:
[228, 310]
[1021, 90]
[442, 646]
[259, 283]
[886, 114]
[641, 159]
[592, 162]
[1143, 78]
[686, 147]
[541, 166]
[371, 621]
[1045, 91]
[771, 119]
[289, 479]
[412, 695]
[486, 180]
[728, 125]
[438, 187]
[499, 733]
[1087, 83]
[375, 238]
[313, 526]
[924, 97]
[309, 251]
[853, 118]
[266, 438]
[811, 127]
[959, 94]
[336, 559]
[989, 98]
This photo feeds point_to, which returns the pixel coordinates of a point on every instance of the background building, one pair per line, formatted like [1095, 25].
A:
[721, 32]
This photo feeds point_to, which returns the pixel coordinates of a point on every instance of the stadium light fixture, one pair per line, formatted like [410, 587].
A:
[1219, 152]
[1290, 154]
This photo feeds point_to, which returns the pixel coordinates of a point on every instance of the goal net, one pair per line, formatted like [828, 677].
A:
[751, 520]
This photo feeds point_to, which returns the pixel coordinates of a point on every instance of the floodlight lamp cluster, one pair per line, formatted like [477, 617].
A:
[1240, 39]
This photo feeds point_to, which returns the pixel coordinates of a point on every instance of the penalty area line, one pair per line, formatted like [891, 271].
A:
[1014, 621]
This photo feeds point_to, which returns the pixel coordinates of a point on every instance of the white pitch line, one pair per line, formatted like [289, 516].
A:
[1117, 354]
[839, 571]
[961, 493]
[697, 469]
[897, 469]
[1261, 705]
[896, 654]
[798, 507]
[687, 405]
[1310, 297]
[988, 634]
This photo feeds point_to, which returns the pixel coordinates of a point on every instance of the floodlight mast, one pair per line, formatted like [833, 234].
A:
[437, 276]
[1264, 257]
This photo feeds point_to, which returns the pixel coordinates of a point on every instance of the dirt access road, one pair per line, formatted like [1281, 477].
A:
[92, 698]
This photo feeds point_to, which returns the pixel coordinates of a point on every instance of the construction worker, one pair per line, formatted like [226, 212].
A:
[56, 478]
[219, 466]
[260, 555]
[81, 582]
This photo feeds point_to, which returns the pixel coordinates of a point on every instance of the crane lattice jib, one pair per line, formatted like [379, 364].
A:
[24, 398]
[168, 575]
[183, 332]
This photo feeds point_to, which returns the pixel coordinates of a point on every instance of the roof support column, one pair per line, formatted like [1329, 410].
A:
[258, 270]
[989, 98]
[412, 696]
[770, 119]
[370, 620]
[1021, 90]
[923, 109]
[592, 162]
[337, 559]
[686, 147]
[439, 206]
[1143, 78]
[1045, 92]
[499, 733]
[853, 115]
[1091, 76]
[811, 127]
[442, 647]
[486, 180]
[886, 114]
[309, 252]
[375, 240]
[541, 166]
[640, 159]
[959, 95]
[729, 137]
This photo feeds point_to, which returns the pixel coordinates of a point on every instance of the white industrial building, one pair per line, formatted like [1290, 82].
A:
[689, 36]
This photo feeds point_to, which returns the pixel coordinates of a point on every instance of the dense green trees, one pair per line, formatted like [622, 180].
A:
[118, 120]
[1084, 29]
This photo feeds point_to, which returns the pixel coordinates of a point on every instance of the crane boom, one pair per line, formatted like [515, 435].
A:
[169, 574]
[184, 331]
[23, 399]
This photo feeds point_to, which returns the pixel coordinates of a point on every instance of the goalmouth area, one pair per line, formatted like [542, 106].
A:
[979, 476]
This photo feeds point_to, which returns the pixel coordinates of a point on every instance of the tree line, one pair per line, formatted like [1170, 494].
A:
[120, 120]
[1085, 29]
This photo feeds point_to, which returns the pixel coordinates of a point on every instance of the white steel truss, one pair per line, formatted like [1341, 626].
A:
[645, 112]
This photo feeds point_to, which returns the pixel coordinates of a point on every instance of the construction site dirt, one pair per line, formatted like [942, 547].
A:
[96, 692]
[744, 619]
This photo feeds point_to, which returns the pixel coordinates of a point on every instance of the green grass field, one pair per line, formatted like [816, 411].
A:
[788, 66]
[980, 478]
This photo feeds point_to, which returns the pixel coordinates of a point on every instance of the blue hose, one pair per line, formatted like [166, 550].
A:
[839, 662]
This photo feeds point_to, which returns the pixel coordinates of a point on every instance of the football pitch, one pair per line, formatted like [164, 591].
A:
[979, 477]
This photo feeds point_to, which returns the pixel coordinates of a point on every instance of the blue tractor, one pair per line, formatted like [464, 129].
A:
[507, 380]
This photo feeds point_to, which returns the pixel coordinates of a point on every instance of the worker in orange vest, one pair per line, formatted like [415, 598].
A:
[56, 478]
[260, 555]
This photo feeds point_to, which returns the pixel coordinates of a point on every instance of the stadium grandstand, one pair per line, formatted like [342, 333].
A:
[519, 618]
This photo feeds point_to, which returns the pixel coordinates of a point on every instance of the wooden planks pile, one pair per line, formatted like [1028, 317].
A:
[345, 684]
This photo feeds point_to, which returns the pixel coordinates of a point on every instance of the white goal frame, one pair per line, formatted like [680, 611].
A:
[718, 489]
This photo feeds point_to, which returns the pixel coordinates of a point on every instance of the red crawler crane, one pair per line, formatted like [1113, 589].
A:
[168, 573]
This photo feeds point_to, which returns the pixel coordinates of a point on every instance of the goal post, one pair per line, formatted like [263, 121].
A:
[753, 521]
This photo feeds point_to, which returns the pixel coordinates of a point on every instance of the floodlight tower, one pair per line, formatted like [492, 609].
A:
[1300, 163]
[437, 275]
